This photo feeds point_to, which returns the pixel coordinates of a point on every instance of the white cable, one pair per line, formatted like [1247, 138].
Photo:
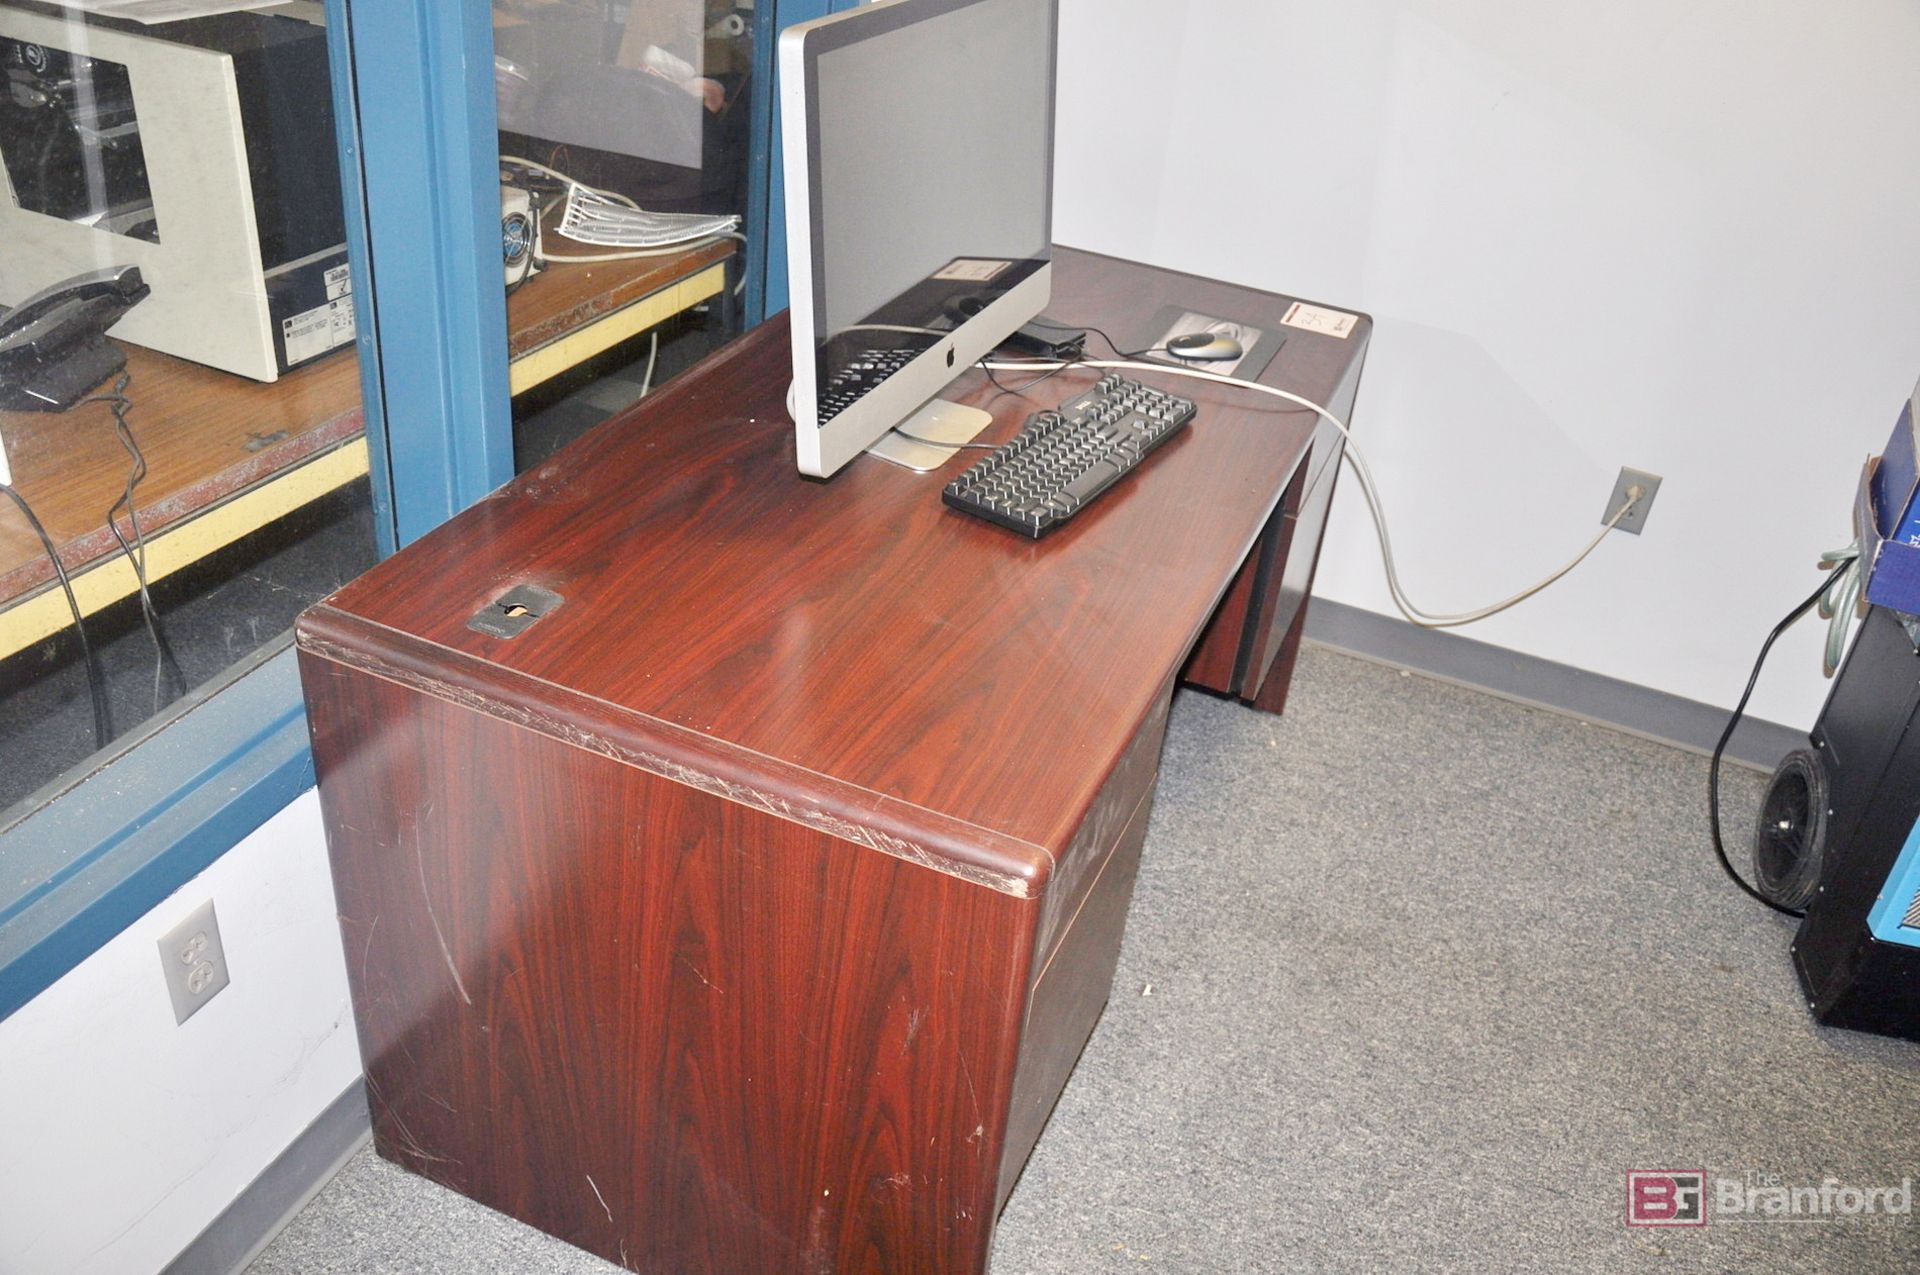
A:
[1351, 453]
[653, 357]
[636, 253]
[633, 255]
[891, 327]
[593, 218]
[541, 254]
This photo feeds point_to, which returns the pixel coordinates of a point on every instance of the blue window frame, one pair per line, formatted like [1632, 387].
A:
[422, 217]
[766, 183]
[414, 95]
[430, 220]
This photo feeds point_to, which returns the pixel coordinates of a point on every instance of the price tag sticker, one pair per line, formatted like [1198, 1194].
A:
[972, 269]
[1314, 318]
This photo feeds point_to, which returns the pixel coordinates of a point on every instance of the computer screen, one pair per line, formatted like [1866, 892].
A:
[919, 160]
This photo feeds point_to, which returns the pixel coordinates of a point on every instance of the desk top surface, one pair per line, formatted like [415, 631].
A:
[852, 653]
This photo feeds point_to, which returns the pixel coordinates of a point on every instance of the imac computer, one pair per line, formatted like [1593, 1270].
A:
[918, 139]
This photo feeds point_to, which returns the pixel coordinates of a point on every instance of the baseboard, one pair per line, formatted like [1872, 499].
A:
[269, 1202]
[1560, 688]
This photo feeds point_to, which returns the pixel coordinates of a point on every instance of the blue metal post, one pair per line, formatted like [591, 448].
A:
[430, 198]
[766, 182]
[346, 125]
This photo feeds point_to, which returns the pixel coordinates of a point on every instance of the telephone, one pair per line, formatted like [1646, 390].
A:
[53, 345]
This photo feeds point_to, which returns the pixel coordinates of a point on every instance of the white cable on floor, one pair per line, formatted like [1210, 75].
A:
[1414, 614]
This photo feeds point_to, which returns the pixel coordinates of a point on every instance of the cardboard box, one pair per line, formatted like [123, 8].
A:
[1886, 516]
[1892, 567]
[1895, 484]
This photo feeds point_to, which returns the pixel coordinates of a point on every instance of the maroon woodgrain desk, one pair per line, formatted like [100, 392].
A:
[747, 911]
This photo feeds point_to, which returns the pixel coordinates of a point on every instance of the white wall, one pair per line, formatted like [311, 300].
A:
[1679, 236]
[123, 1135]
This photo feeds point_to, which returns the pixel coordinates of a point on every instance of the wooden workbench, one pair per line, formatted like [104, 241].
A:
[226, 456]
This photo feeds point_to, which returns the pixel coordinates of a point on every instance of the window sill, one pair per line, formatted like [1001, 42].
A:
[142, 823]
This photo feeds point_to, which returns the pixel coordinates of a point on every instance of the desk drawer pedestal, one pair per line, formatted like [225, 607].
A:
[1250, 643]
[682, 1032]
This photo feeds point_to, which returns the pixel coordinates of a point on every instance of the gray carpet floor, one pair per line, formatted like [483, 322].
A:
[1412, 978]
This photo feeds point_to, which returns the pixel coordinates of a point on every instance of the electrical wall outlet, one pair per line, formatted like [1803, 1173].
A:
[1636, 518]
[194, 962]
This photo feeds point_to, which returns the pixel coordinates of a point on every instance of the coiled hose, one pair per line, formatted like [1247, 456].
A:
[1839, 602]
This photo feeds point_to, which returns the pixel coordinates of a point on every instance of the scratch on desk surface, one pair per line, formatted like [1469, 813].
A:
[697, 974]
[599, 1197]
[401, 1134]
[979, 1129]
[818, 1255]
[366, 952]
[426, 896]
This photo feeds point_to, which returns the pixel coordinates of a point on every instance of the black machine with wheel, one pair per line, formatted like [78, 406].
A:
[1834, 832]
[1790, 840]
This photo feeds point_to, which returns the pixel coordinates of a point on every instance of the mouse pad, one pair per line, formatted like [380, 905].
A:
[1260, 344]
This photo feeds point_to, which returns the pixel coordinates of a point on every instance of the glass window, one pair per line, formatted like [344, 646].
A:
[625, 130]
[180, 405]
[77, 153]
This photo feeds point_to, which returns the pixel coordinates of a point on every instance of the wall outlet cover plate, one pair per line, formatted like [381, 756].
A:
[1636, 518]
[193, 961]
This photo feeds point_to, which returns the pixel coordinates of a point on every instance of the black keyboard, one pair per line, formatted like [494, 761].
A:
[1062, 459]
[867, 369]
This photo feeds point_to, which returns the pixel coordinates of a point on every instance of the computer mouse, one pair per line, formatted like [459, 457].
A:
[1205, 347]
